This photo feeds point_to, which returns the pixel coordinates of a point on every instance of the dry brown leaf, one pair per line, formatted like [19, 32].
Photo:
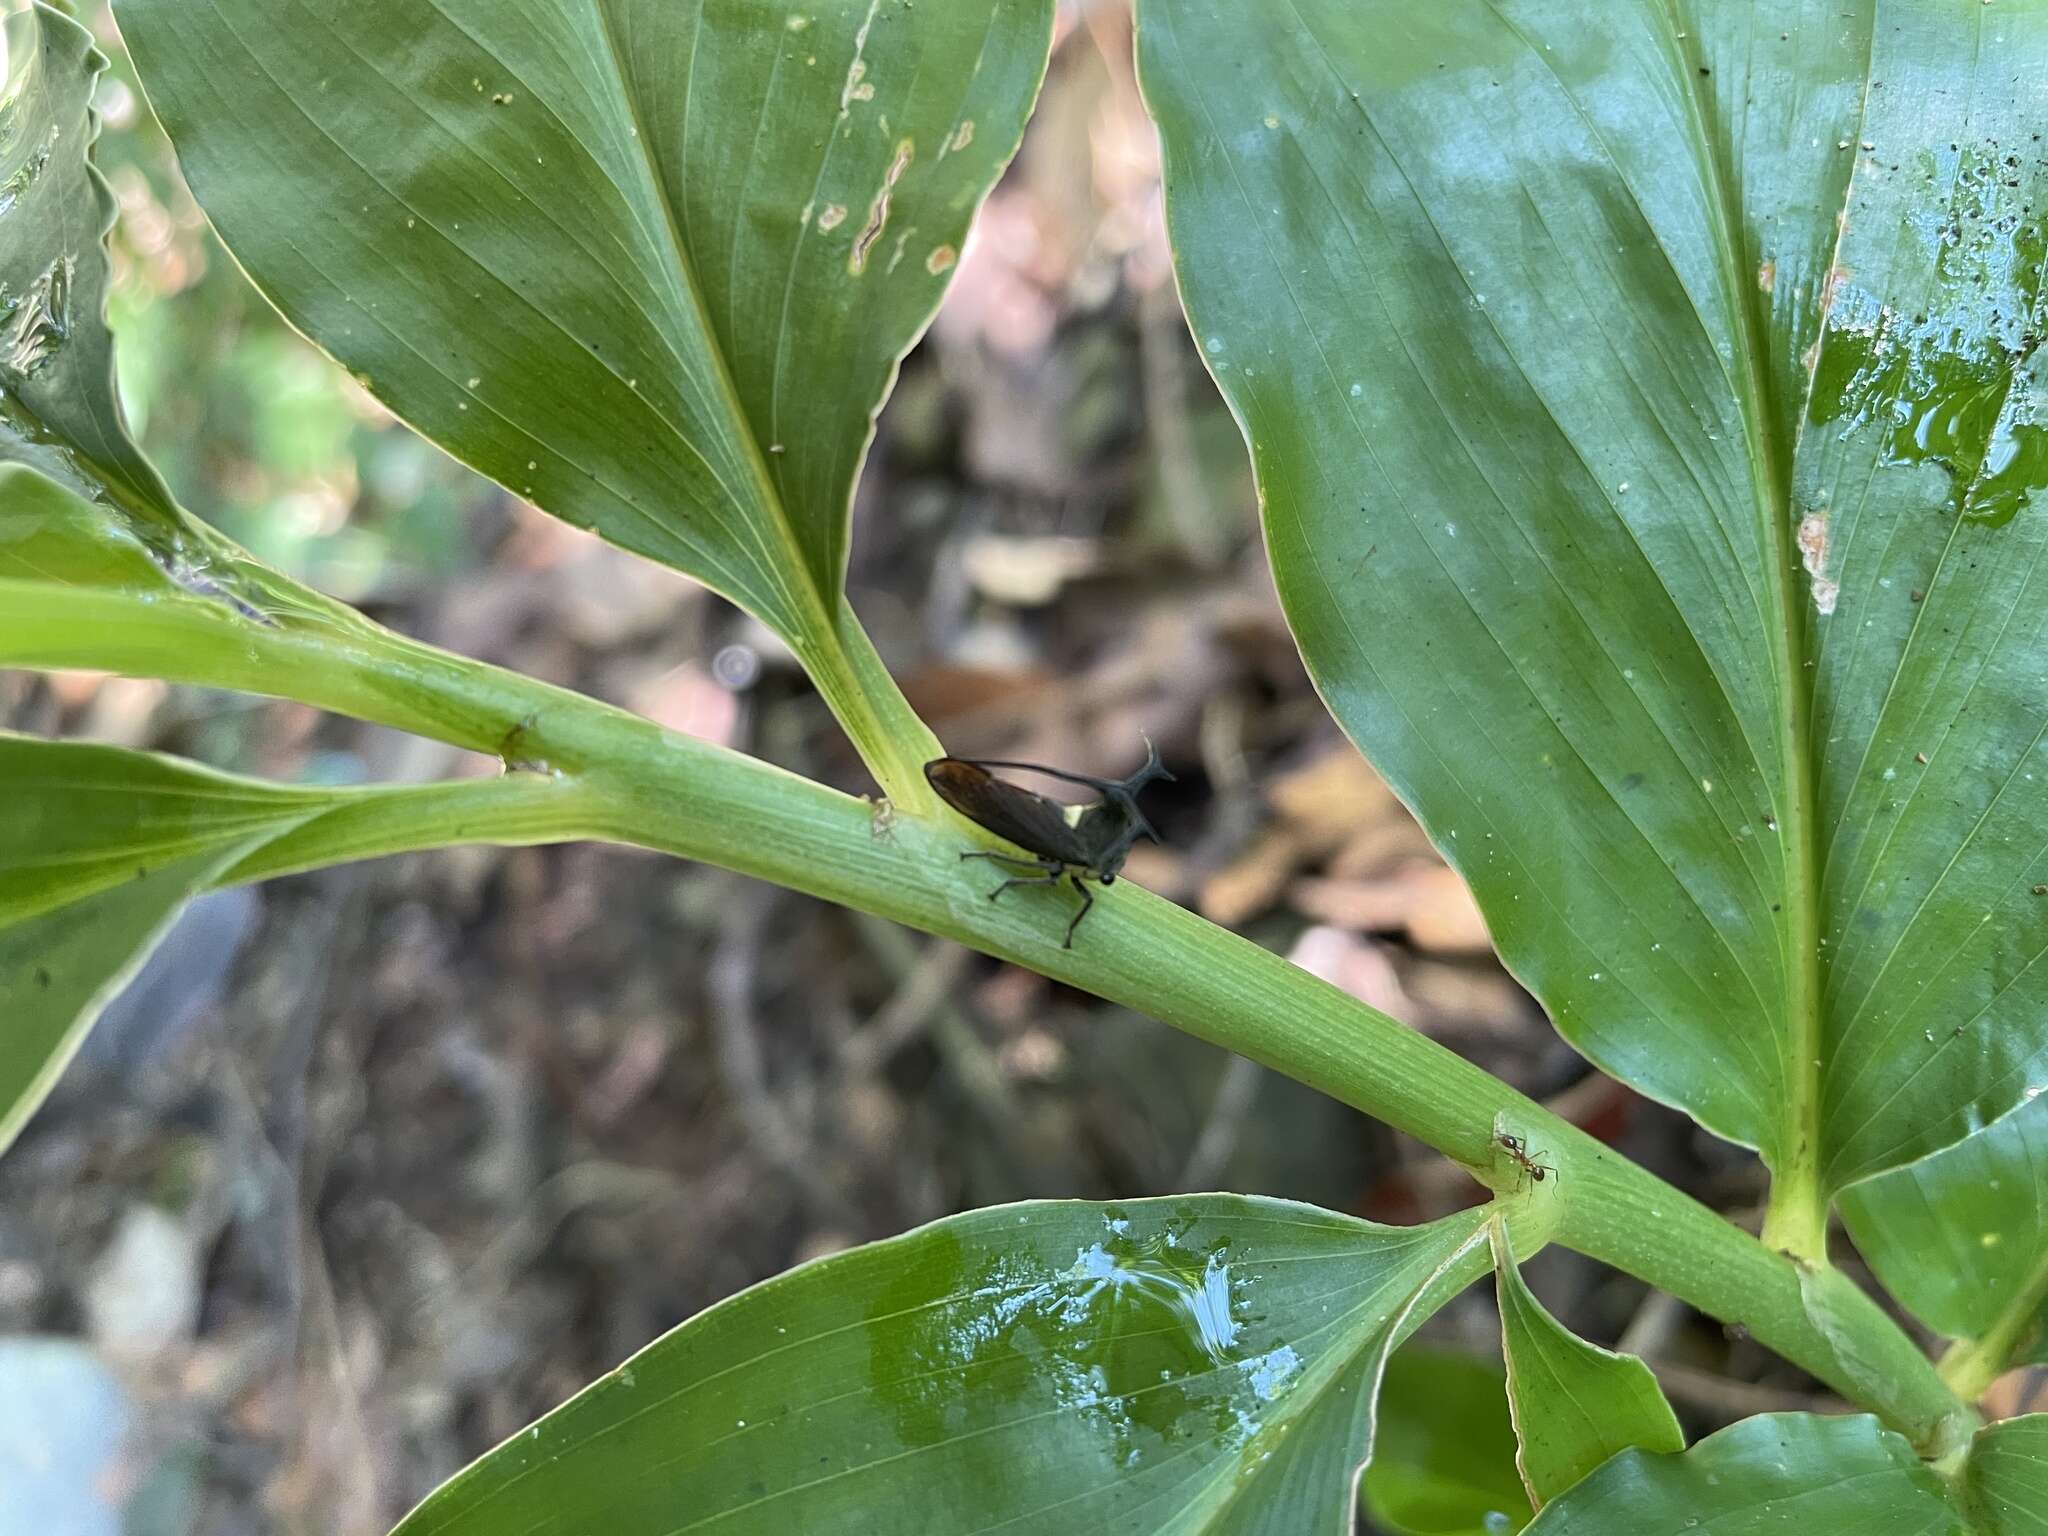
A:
[1426, 901]
[1253, 881]
[1476, 998]
[1027, 572]
[1380, 847]
[1327, 801]
[1443, 917]
[1361, 906]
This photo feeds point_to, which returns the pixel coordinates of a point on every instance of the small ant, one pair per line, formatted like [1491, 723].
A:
[1518, 1149]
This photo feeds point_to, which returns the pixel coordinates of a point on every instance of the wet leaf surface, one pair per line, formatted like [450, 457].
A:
[1205, 1363]
[1647, 412]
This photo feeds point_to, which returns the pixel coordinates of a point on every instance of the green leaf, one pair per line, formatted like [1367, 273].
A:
[98, 567]
[83, 584]
[58, 411]
[60, 967]
[1443, 1454]
[1961, 1238]
[1197, 1364]
[649, 264]
[2005, 1482]
[1646, 410]
[1574, 1403]
[99, 847]
[1762, 1477]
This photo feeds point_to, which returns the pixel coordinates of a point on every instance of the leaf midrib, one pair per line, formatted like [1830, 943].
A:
[811, 604]
[1771, 483]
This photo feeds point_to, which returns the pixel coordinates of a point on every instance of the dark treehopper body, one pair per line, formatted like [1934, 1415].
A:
[1068, 843]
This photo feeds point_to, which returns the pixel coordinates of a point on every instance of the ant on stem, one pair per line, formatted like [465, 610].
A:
[1518, 1149]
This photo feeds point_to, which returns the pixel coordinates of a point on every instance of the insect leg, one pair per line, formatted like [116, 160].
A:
[1049, 872]
[1051, 877]
[1087, 901]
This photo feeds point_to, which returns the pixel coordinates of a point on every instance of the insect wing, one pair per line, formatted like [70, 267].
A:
[1029, 820]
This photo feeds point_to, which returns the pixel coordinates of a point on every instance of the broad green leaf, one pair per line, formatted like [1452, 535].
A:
[58, 410]
[1961, 1238]
[1764, 1476]
[1197, 1364]
[2005, 1482]
[1646, 404]
[648, 263]
[99, 847]
[1443, 1454]
[98, 567]
[60, 967]
[1574, 1403]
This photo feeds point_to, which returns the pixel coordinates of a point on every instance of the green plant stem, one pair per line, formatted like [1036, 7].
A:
[1971, 1365]
[622, 778]
[516, 810]
[1150, 955]
[884, 729]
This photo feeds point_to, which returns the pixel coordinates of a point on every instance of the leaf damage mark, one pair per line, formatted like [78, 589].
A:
[963, 137]
[1813, 553]
[878, 211]
[941, 259]
[833, 216]
[858, 87]
[24, 175]
[197, 576]
[39, 322]
[1767, 276]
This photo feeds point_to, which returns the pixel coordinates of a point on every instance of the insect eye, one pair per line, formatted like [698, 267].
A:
[1109, 879]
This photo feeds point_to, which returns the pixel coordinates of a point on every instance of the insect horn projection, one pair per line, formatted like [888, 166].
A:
[1067, 843]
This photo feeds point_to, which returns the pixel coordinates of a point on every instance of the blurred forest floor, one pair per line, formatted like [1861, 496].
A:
[374, 1166]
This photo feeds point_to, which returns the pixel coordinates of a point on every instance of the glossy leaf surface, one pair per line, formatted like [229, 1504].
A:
[95, 516]
[1961, 1238]
[58, 410]
[649, 264]
[1763, 1476]
[1196, 1364]
[1443, 1456]
[1574, 1403]
[1646, 404]
[2006, 1481]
